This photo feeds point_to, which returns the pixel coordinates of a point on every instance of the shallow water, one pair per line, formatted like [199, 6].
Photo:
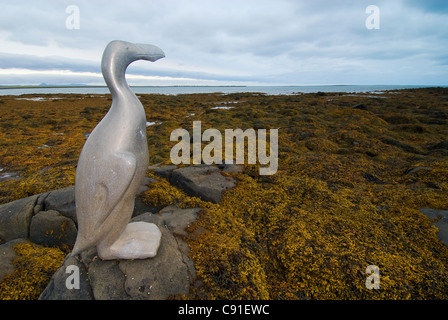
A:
[174, 90]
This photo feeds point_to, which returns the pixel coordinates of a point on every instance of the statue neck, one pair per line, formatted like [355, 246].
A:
[114, 69]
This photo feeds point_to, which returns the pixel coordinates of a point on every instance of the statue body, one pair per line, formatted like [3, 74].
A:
[112, 166]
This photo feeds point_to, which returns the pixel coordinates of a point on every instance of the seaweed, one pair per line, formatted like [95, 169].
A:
[347, 194]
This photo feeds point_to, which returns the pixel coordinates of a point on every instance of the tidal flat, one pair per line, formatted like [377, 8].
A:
[354, 170]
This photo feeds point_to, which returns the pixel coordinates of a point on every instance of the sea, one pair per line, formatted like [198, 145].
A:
[175, 90]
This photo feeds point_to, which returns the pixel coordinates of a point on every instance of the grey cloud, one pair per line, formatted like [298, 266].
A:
[31, 62]
[279, 41]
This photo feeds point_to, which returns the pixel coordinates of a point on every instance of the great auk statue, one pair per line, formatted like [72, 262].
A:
[112, 165]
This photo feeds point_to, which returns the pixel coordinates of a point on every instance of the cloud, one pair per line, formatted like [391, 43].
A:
[263, 42]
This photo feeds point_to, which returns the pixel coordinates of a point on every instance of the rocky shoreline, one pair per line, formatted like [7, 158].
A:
[49, 220]
[362, 180]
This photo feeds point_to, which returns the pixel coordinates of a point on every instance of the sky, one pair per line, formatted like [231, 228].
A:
[228, 42]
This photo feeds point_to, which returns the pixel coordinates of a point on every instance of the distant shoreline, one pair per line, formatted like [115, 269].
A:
[104, 86]
[17, 90]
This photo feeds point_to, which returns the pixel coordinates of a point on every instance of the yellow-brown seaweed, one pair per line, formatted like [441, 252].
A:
[354, 170]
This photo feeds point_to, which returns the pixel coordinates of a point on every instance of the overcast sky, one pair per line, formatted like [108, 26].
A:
[214, 42]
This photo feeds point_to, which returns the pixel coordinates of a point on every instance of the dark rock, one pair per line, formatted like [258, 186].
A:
[105, 277]
[203, 181]
[62, 200]
[57, 288]
[160, 277]
[139, 206]
[15, 218]
[169, 273]
[50, 228]
[165, 171]
[39, 206]
[440, 220]
[176, 220]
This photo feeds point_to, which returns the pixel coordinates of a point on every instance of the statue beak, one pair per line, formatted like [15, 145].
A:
[149, 52]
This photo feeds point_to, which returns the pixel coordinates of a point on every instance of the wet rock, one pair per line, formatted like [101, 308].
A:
[202, 181]
[15, 218]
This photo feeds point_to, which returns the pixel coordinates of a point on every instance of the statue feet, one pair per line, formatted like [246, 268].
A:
[139, 240]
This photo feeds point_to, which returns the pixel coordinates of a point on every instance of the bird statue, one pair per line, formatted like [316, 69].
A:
[113, 164]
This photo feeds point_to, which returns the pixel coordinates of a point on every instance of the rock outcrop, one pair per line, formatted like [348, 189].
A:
[168, 274]
[202, 181]
[49, 219]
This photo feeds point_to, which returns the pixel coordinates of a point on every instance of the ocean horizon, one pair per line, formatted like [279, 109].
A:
[174, 90]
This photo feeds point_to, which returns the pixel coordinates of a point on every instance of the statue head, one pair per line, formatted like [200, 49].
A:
[119, 54]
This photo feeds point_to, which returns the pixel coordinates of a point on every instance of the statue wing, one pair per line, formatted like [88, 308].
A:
[110, 183]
